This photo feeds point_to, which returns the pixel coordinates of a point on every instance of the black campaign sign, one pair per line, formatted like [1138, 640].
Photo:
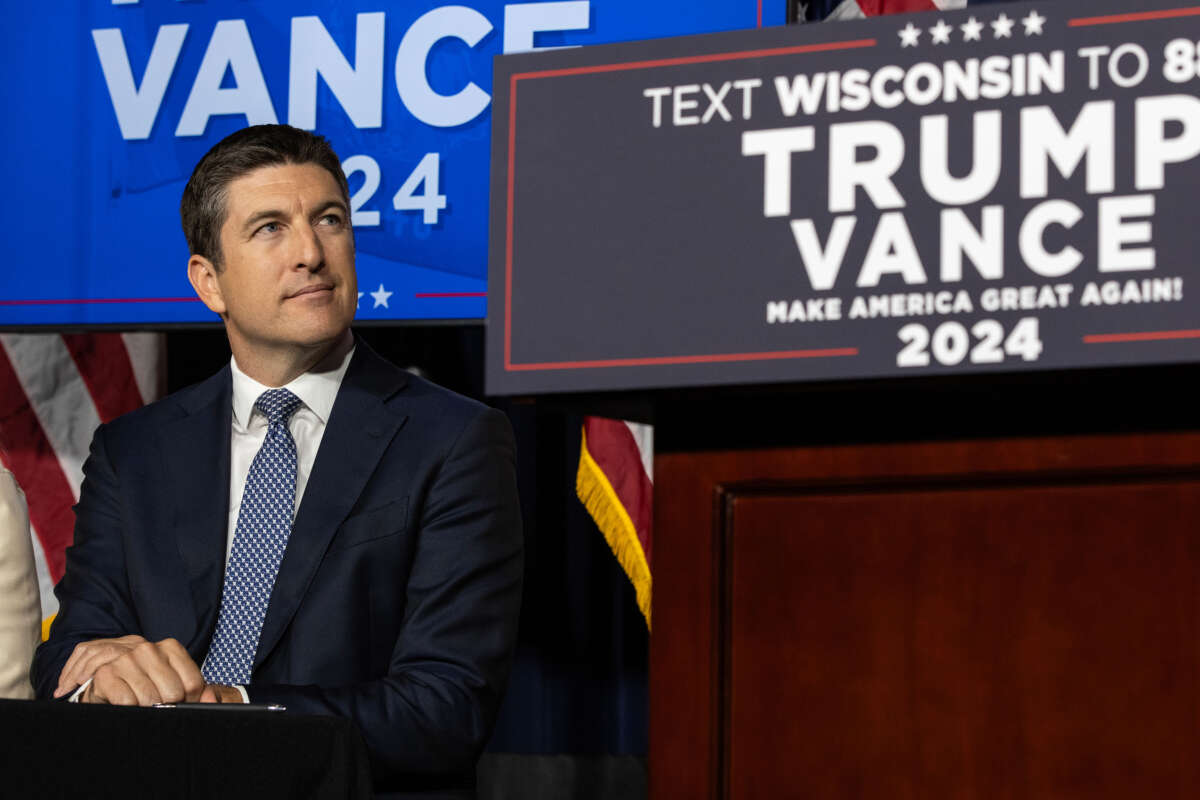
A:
[1010, 186]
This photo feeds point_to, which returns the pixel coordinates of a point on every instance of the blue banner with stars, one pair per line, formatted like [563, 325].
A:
[110, 104]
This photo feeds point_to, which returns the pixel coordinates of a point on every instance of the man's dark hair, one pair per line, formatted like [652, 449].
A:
[203, 207]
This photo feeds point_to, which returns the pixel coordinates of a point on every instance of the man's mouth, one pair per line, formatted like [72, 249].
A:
[315, 288]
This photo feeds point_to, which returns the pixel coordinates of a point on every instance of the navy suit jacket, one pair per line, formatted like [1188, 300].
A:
[396, 603]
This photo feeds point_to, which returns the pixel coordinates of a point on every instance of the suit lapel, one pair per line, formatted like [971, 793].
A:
[197, 448]
[358, 432]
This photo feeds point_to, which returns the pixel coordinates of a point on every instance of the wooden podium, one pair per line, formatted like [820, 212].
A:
[978, 618]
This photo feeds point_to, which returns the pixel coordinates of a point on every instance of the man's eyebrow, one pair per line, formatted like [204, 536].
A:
[328, 204]
[259, 216]
[274, 213]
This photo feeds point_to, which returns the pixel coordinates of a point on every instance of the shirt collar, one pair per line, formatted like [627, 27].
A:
[317, 388]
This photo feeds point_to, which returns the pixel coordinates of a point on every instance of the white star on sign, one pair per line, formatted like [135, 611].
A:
[909, 35]
[360, 294]
[1002, 27]
[381, 297]
[940, 33]
[971, 29]
[1033, 23]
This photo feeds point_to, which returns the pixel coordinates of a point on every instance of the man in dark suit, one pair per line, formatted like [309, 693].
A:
[311, 526]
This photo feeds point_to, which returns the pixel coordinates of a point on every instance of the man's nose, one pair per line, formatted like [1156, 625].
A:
[310, 253]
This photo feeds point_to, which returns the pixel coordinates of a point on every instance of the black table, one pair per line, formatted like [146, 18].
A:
[57, 749]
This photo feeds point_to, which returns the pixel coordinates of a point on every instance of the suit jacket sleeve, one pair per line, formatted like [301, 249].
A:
[433, 711]
[94, 601]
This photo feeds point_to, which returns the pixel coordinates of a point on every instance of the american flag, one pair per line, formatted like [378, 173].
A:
[55, 390]
[822, 10]
[615, 482]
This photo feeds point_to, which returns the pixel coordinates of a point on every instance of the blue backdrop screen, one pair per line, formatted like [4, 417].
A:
[110, 103]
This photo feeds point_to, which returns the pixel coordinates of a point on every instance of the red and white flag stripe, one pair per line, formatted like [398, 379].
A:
[858, 9]
[55, 389]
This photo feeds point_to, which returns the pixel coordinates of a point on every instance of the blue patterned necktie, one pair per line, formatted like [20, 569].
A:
[263, 526]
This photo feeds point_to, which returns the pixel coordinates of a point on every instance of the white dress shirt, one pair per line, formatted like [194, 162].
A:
[317, 389]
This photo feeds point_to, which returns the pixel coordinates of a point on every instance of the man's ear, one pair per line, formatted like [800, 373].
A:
[203, 275]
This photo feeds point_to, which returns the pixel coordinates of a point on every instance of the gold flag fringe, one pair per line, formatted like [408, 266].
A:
[602, 502]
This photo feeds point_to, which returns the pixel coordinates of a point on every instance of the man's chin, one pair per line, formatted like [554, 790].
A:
[315, 328]
[327, 332]
[319, 338]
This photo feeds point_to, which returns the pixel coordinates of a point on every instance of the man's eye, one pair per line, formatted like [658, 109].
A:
[270, 227]
[331, 219]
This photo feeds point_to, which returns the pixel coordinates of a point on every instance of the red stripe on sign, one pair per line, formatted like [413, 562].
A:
[104, 364]
[508, 233]
[614, 450]
[1146, 336]
[709, 359]
[90, 301]
[27, 452]
[1136, 16]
